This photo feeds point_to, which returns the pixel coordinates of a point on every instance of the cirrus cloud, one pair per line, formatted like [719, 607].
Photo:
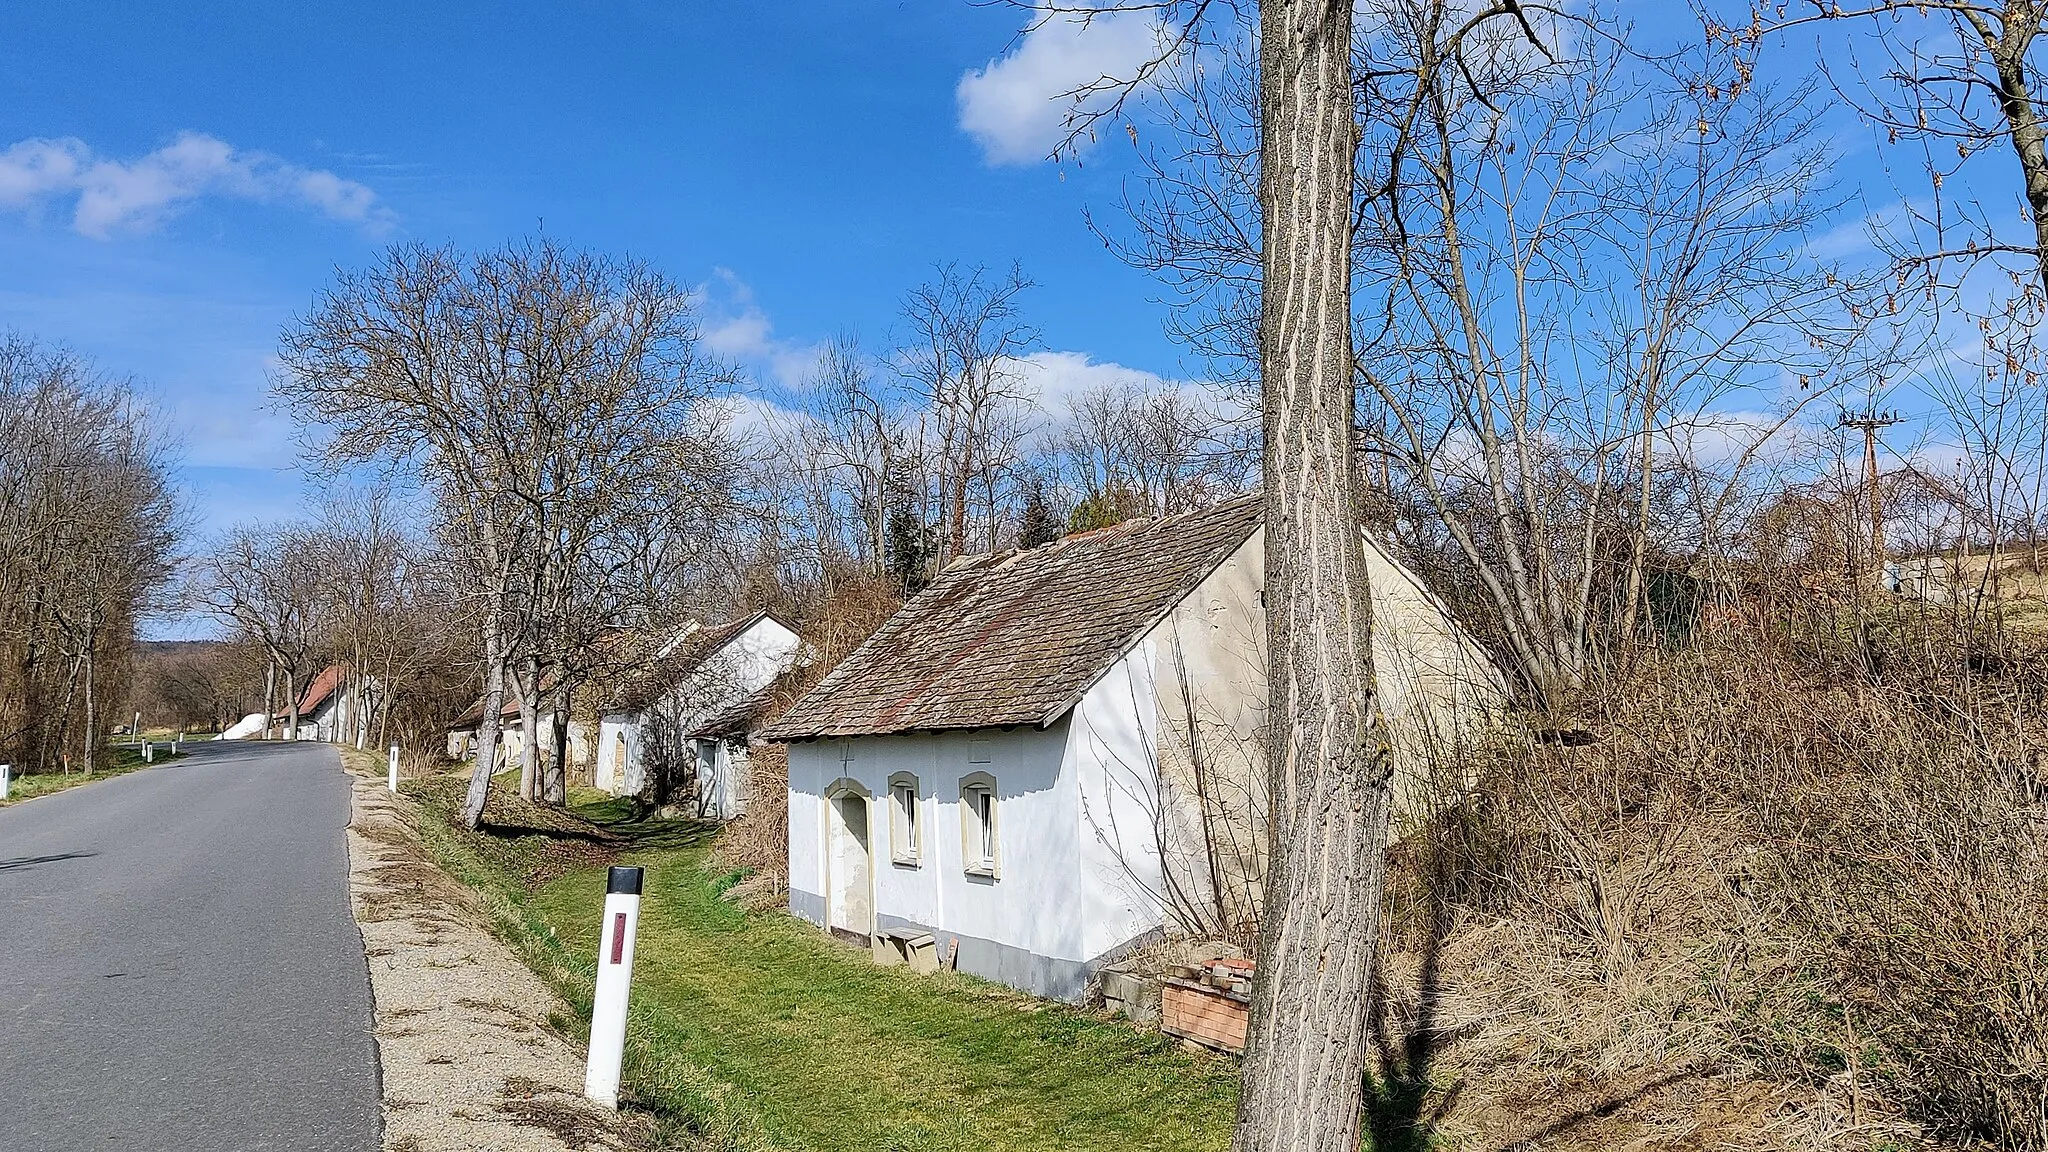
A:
[110, 197]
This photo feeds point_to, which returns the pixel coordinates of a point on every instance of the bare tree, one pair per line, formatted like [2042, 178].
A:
[1330, 762]
[1980, 91]
[967, 332]
[546, 398]
[265, 581]
[90, 518]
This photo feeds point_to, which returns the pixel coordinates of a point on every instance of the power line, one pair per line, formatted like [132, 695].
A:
[1870, 420]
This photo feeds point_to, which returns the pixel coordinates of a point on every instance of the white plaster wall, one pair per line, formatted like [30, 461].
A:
[722, 778]
[1110, 760]
[610, 774]
[1193, 688]
[744, 666]
[1439, 689]
[1027, 905]
[812, 766]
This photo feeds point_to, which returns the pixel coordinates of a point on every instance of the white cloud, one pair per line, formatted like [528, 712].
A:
[1058, 378]
[1720, 437]
[742, 335]
[1018, 107]
[736, 328]
[113, 197]
[35, 168]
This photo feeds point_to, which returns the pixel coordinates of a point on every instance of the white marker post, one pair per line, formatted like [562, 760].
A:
[148, 752]
[394, 768]
[614, 982]
[6, 779]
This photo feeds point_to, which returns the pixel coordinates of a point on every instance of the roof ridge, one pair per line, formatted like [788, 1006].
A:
[1001, 638]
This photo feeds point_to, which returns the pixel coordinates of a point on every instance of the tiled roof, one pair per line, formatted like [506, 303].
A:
[685, 655]
[320, 689]
[474, 714]
[1017, 637]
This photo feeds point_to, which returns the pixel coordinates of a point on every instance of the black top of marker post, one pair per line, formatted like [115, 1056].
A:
[623, 881]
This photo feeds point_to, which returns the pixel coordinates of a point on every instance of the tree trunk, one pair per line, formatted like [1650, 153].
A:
[359, 716]
[269, 698]
[527, 684]
[1329, 762]
[552, 784]
[2029, 136]
[291, 694]
[90, 742]
[486, 732]
[556, 786]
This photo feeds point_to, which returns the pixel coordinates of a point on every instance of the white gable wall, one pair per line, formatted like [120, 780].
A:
[617, 770]
[743, 666]
[1101, 822]
[1192, 690]
[1115, 732]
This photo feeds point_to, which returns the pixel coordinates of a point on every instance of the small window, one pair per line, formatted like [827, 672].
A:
[904, 837]
[978, 838]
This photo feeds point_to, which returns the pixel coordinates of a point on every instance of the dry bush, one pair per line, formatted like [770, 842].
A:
[1808, 854]
[833, 618]
[1909, 849]
[758, 841]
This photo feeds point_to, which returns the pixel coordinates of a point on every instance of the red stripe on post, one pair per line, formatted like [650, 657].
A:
[619, 938]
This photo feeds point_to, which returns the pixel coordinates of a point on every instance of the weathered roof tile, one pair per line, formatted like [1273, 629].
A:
[1016, 637]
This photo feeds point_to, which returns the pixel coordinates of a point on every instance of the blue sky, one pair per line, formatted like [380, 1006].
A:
[176, 182]
[186, 177]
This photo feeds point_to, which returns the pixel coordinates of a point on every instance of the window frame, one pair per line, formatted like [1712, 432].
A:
[980, 825]
[904, 822]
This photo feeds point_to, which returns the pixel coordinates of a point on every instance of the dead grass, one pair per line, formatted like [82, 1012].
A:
[1784, 902]
[564, 1117]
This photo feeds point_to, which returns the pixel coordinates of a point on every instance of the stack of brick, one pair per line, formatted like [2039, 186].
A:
[1209, 1005]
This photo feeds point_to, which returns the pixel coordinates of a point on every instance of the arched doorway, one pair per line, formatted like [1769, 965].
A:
[849, 864]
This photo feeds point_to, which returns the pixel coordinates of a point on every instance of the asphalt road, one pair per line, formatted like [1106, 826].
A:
[178, 966]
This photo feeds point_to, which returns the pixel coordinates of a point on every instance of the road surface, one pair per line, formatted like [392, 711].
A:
[178, 966]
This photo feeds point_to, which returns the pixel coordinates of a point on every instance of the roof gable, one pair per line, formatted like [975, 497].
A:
[687, 653]
[1016, 637]
[320, 689]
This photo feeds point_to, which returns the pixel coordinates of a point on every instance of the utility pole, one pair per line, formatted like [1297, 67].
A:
[1870, 420]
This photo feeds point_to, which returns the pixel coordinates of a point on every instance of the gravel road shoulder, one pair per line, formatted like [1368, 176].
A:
[469, 1061]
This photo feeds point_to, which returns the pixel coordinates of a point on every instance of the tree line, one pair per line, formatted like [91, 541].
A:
[90, 517]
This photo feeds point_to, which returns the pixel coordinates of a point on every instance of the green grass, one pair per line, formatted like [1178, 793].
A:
[753, 1030]
[115, 760]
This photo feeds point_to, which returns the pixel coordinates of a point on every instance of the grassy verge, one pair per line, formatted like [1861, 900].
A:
[114, 761]
[753, 1031]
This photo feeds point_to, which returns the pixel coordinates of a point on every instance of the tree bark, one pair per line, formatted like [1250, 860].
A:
[2007, 46]
[556, 785]
[1329, 761]
[91, 743]
[526, 683]
[269, 698]
[486, 731]
[291, 693]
